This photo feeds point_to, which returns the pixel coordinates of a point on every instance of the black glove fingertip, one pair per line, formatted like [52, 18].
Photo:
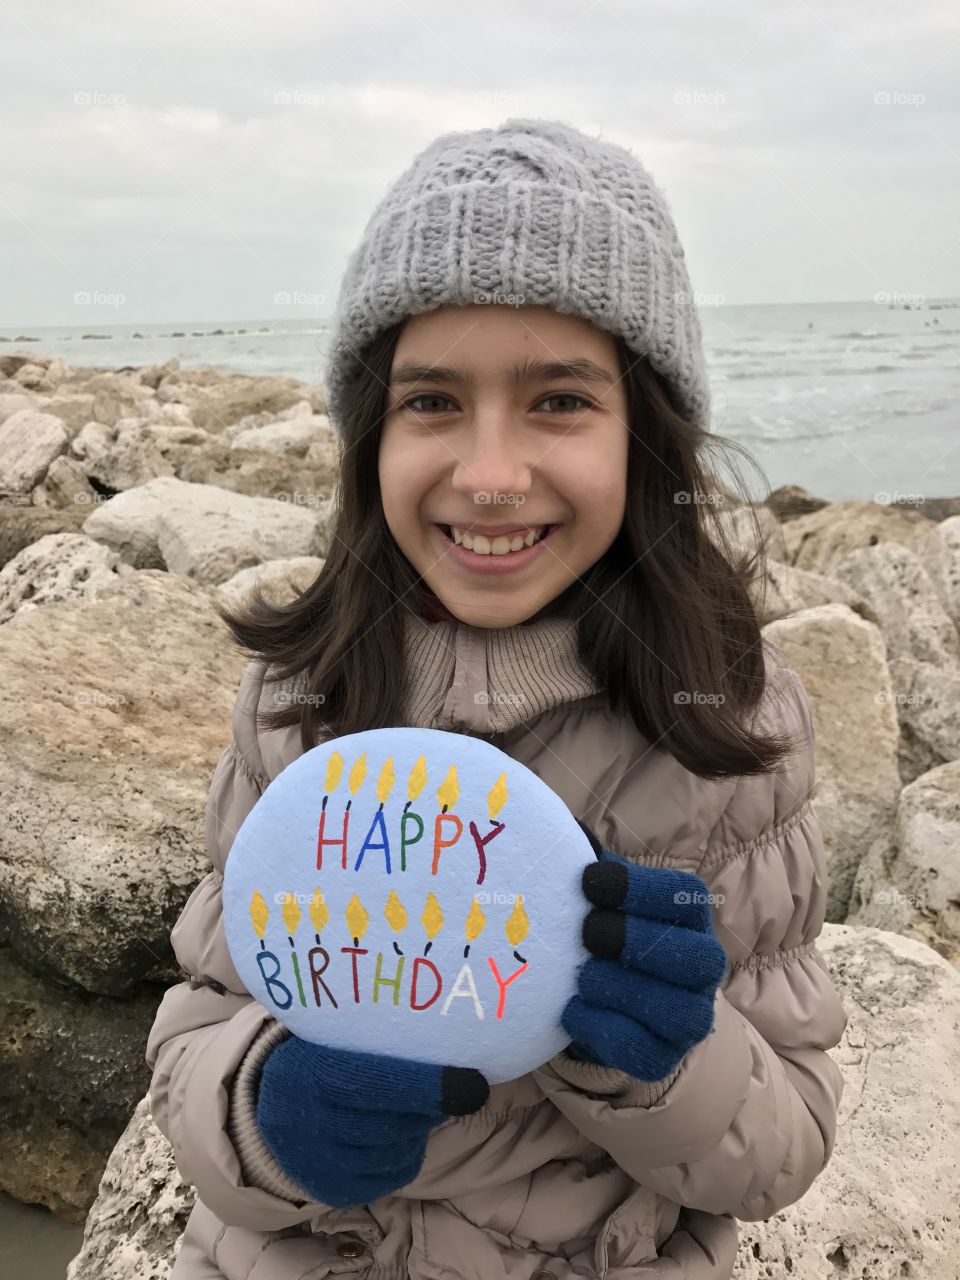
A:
[463, 1090]
[605, 933]
[606, 884]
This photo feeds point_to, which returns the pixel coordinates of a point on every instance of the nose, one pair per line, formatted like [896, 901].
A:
[491, 456]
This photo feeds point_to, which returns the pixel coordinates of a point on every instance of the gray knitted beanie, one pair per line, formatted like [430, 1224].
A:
[534, 209]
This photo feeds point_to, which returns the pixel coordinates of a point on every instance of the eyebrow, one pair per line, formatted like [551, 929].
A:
[527, 370]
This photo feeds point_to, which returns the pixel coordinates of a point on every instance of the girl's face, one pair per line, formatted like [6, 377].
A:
[487, 434]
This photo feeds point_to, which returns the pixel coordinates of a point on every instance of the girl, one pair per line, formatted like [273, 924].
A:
[525, 550]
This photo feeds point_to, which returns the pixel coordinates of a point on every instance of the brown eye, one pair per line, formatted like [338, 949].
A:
[582, 403]
[411, 404]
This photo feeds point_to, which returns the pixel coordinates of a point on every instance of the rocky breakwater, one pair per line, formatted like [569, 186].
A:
[130, 502]
[864, 600]
[120, 521]
[884, 1209]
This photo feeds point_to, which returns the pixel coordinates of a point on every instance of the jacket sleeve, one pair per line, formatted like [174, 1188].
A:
[206, 1024]
[748, 1120]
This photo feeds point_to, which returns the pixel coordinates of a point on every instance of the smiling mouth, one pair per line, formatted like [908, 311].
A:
[496, 545]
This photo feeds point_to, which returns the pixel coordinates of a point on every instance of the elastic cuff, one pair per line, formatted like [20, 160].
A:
[257, 1163]
[610, 1082]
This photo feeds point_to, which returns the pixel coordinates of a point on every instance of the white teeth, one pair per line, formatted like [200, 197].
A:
[499, 546]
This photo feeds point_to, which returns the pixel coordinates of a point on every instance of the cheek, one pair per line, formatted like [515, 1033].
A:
[398, 471]
[607, 477]
[595, 486]
[406, 471]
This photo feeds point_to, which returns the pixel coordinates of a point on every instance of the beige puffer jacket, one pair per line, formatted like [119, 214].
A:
[573, 1170]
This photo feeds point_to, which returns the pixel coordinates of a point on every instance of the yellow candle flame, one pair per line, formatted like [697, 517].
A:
[517, 923]
[418, 778]
[318, 911]
[497, 796]
[291, 913]
[334, 770]
[358, 773]
[385, 781]
[432, 917]
[475, 921]
[448, 791]
[259, 913]
[395, 912]
[357, 918]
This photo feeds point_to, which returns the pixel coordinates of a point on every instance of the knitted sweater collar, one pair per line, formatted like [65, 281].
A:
[486, 680]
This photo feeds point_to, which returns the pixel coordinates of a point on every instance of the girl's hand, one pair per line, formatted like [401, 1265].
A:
[647, 996]
[351, 1127]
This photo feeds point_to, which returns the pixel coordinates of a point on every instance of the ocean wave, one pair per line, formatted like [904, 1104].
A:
[914, 410]
[870, 368]
[813, 371]
[748, 375]
[785, 432]
[789, 436]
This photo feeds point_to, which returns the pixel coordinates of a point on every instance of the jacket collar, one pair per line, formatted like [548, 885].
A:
[486, 680]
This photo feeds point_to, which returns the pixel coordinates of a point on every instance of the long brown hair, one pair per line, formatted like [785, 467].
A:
[675, 643]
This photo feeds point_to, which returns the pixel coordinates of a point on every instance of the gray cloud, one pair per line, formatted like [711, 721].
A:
[201, 157]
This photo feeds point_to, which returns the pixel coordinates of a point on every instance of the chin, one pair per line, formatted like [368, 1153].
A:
[499, 616]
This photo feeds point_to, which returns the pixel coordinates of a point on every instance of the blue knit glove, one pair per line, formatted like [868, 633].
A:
[646, 996]
[351, 1127]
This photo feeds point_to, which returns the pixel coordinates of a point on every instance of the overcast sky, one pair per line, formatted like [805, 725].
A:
[198, 159]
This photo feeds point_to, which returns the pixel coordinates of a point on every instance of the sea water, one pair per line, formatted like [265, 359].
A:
[848, 399]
